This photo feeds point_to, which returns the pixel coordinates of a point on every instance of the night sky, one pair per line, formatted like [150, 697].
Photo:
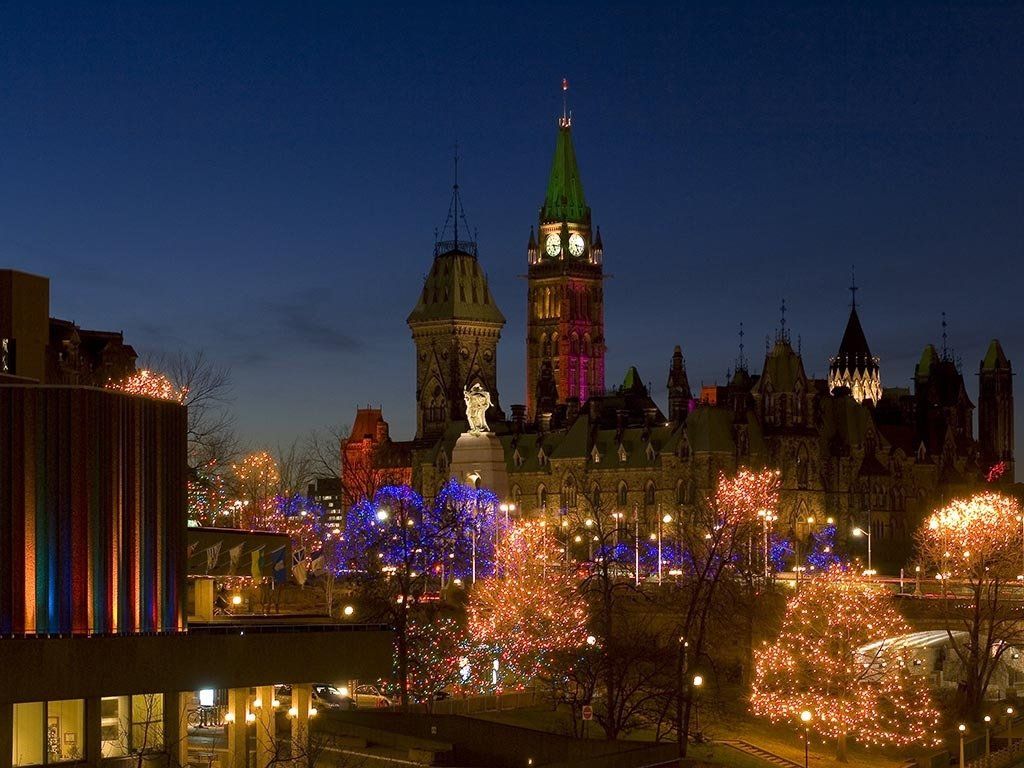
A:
[263, 182]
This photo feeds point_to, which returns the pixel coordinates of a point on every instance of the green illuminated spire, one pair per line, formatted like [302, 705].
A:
[564, 200]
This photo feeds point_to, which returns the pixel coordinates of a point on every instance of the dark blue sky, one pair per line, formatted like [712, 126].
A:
[263, 181]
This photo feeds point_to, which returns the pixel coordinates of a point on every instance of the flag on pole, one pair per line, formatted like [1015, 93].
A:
[257, 567]
[212, 556]
[235, 554]
[280, 571]
[299, 572]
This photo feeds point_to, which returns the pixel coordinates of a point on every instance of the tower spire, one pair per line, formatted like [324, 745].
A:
[455, 213]
[741, 361]
[945, 346]
[566, 119]
[853, 287]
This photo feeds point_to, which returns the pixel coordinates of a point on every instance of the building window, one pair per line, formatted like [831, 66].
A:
[621, 496]
[7, 362]
[542, 497]
[28, 733]
[649, 494]
[569, 494]
[680, 492]
[48, 732]
[595, 496]
[64, 732]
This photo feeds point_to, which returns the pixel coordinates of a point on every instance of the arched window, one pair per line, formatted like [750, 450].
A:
[595, 496]
[517, 497]
[569, 493]
[802, 467]
[649, 493]
[574, 344]
[542, 497]
[621, 497]
[680, 492]
[545, 346]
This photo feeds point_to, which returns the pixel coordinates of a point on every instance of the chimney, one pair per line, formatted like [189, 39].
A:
[649, 413]
[518, 417]
[572, 409]
[544, 422]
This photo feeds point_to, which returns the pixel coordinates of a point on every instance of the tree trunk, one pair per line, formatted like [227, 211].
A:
[841, 754]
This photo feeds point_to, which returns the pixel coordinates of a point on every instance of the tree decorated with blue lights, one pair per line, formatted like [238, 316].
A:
[399, 548]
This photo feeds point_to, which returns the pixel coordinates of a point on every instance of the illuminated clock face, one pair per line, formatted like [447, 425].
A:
[553, 244]
[576, 244]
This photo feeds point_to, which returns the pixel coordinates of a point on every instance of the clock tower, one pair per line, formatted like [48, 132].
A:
[565, 309]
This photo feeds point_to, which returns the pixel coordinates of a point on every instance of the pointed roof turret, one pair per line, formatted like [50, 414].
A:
[995, 358]
[564, 200]
[854, 351]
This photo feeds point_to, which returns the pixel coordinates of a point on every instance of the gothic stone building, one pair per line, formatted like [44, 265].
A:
[846, 447]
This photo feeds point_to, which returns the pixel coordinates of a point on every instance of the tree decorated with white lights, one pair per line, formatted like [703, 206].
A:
[836, 658]
[973, 548]
[527, 613]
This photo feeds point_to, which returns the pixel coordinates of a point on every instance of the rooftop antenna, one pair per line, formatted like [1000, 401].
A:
[945, 347]
[853, 288]
[741, 363]
[455, 192]
[566, 120]
[455, 213]
[783, 335]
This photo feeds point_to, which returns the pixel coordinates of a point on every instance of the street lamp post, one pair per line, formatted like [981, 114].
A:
[963, 729]
[988, 736]
[636, 544]
[767, 518]
[698, 681]
[1009, 726]
[805, 718]
[867, 534]
[666, 520]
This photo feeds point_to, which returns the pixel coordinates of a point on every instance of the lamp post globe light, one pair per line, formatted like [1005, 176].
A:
[988, 735]
[963, 729]
[805, 718]
[858, 532]
[698, 681]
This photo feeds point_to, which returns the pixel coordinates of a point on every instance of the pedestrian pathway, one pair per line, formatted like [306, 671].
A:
[758, 752]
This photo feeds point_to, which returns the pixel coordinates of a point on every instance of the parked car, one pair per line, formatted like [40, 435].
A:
[371, 696]
[323, 697]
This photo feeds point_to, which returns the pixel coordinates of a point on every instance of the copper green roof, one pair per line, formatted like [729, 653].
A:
[995, 358]
[456, 289]
[928, 358]
[564, 200]
[782, 368]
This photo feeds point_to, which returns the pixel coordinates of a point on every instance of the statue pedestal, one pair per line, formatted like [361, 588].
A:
[478, 459]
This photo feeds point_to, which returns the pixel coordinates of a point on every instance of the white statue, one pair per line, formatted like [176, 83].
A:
[478, 400]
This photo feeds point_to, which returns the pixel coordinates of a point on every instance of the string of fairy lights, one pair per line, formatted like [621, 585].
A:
[816, 665]
[524, 609]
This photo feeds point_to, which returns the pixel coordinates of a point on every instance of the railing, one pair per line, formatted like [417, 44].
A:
[1001, 759]
[470, 705]
[445, 246]
[234, 628]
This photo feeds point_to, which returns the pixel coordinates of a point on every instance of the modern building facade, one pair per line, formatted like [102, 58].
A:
[100, 661]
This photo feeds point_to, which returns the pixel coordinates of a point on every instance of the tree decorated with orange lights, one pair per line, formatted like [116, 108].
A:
[256, 479]
[835, 658]
[150, 384]
[973, 548]
[526, 614]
